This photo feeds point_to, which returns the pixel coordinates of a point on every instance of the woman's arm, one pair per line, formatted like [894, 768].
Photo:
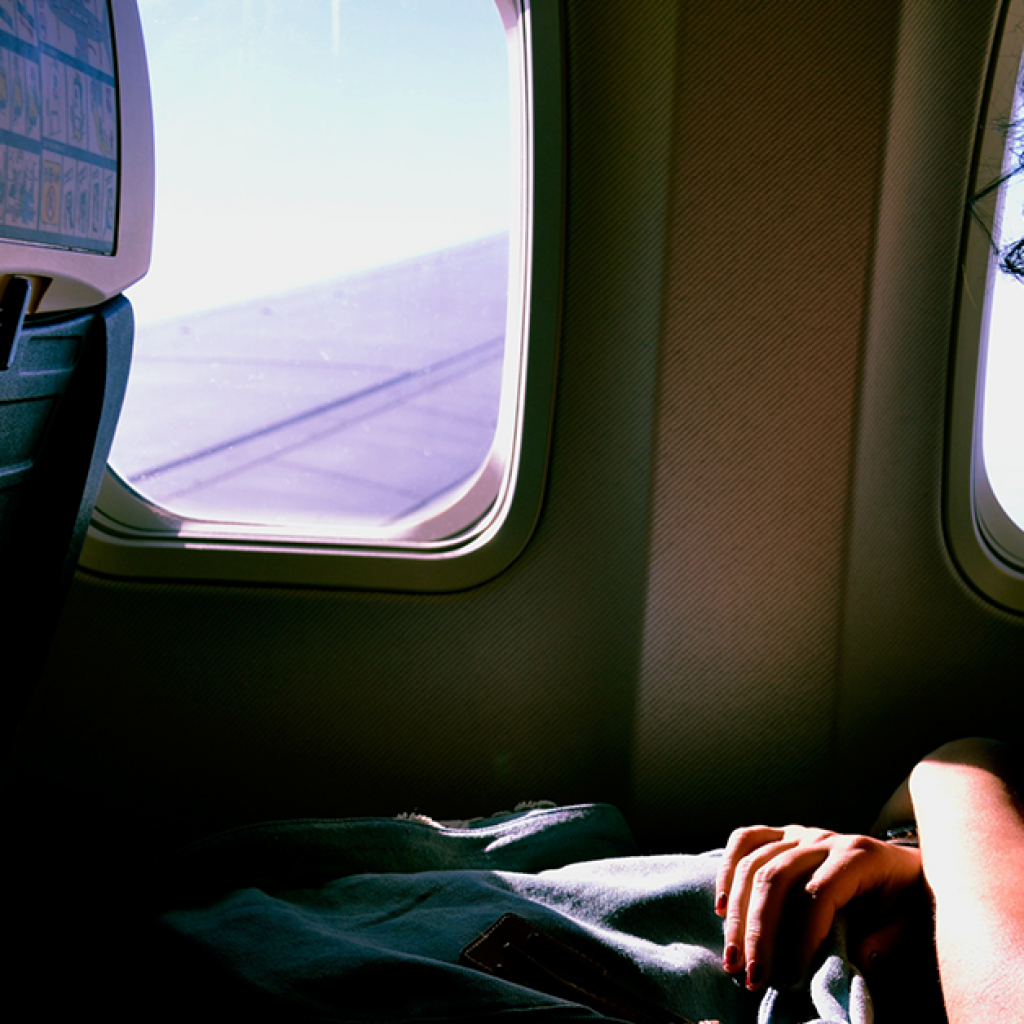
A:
[970, 822]
[971, 829]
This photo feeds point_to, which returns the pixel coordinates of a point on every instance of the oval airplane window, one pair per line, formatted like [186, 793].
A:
[320, 337]
[1001, 486]
[985, 502]
[330, 343]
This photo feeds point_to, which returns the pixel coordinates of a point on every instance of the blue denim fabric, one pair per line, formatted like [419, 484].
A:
[364, 919]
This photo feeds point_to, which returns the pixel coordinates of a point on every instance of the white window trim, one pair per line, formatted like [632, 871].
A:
[986, 543]
[459, 542]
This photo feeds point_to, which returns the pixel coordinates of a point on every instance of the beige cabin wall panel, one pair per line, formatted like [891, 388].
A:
[926, 658]
[185, 708]
[780, 127]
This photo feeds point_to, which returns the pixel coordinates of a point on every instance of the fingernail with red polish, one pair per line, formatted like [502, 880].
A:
[722, 904]
[754, 975]
[731, 960]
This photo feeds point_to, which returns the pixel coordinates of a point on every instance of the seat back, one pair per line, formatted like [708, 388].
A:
[62, 382]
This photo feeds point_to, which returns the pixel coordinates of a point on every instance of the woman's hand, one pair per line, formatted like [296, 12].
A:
[779, 890]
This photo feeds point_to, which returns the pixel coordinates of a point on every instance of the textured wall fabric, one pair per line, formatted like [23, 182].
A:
[738, 581]
[925, 657]
[208, 705]
[779, 146]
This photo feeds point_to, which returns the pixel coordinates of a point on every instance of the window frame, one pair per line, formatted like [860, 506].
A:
[475, 536]
[985, 542]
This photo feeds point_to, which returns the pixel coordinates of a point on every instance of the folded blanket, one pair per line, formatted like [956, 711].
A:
[363, 920]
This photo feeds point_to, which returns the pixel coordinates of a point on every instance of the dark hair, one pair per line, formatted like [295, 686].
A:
[1011, 257]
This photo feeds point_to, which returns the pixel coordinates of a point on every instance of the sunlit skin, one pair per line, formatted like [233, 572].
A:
[791, 882]
[779, 889]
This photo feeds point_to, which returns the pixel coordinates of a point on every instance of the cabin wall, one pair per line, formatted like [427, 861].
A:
[737, 603]
[201, 706]
[924, 657]
[780, 131]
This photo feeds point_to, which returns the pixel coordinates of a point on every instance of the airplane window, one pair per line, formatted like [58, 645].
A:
[1002, 423]
[321, 342]
[985, 467]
